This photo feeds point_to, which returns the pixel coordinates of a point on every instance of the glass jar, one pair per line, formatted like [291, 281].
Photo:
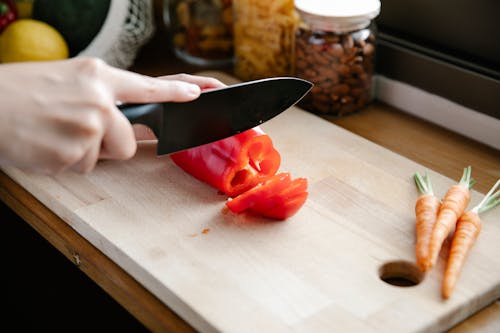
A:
[263, 38]
[201, 30]
[335, 50]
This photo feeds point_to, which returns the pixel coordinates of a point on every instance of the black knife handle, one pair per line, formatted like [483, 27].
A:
[146, 114]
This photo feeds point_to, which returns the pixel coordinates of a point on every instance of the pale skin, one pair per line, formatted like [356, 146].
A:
[62, 115]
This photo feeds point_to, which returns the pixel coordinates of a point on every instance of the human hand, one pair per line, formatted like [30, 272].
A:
[62, 114]
[143, 132]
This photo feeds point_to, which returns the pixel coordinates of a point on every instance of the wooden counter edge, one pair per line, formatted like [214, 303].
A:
[137, 300]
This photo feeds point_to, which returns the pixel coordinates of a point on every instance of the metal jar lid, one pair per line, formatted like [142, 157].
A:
[338, 15]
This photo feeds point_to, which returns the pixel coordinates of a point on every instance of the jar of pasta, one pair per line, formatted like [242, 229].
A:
[335, 49]
[263, 38]
[201, 30]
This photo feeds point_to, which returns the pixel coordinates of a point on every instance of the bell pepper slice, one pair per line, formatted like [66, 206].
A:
[279, 197]
[232, 165]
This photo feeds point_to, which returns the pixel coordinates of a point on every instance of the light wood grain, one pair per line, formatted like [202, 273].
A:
[308, 273]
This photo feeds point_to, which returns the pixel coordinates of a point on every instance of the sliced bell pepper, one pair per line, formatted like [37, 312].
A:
[244, 167]
[232, 165]
[279, 197]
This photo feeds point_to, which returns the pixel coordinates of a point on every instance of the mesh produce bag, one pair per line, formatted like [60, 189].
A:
[128, 26]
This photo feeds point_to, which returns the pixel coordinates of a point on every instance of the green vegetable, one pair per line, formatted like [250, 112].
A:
[79, 21]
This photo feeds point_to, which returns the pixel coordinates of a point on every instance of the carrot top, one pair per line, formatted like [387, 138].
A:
[424, 184]
[489, 201]
[425, 187]
[466, 181]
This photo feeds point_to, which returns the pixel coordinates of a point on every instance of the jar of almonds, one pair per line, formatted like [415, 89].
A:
[263, 38]
[201, 30]
[335, 49]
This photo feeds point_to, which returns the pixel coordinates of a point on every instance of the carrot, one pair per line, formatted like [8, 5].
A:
[426, 210]
[453, 206]
[466, 233]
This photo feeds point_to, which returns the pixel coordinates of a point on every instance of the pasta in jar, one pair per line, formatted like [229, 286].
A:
[201, 30]
[263, 38]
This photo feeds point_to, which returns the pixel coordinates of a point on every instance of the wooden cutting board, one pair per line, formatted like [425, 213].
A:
[319, 271]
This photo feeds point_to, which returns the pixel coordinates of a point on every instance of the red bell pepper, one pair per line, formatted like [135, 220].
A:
[279, 197]
[244, 167]
[8, 13]
[232, 165]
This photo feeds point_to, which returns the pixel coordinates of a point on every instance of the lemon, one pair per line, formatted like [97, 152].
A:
[31, 40]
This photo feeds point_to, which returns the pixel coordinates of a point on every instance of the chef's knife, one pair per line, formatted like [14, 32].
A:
[217, 113]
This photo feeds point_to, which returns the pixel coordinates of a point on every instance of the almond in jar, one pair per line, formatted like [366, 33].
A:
[335, 50]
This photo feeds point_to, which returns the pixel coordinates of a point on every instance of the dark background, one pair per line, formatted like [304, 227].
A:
[450, 48]
[42, 291]
[464, 32]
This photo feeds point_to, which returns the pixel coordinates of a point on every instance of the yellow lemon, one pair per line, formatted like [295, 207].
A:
[31, 40]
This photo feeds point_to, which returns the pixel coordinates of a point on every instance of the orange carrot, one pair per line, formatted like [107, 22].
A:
[466, 233]
[426, 210]
[453, 206]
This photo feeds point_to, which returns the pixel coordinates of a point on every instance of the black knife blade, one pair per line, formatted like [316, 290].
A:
[217, 113]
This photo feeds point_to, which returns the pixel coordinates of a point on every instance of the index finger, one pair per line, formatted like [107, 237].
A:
[131, 87]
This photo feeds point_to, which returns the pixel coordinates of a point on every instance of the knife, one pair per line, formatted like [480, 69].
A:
[218, 113]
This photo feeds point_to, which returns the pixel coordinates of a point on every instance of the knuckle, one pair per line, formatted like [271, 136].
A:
[91, 124]
[93, 91]
[90, 66]
[102, 100]
[151, 88]
[98, 98]
[182, 76]
[66, 157]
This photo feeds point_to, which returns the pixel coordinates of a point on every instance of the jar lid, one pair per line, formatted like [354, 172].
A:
[339, 15]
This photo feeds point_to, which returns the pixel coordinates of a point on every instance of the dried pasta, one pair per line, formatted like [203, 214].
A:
[264, 38]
